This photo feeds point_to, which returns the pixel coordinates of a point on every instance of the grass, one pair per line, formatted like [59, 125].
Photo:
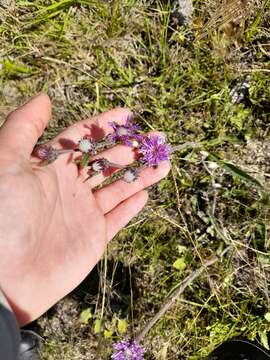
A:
[94, 55]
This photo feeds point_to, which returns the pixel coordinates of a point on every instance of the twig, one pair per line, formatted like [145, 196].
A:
[185, 145]
[253, 70]
[172, 299]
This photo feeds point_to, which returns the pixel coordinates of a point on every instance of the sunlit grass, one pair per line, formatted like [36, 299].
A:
[91, 56]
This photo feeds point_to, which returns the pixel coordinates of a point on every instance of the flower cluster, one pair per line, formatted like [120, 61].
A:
[150, 150]
[46, 153]
[85, 145]
[128, 350]
[127, 134]
[154, 149]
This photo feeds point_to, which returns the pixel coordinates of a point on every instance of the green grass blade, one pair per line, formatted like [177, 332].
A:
[241, 174]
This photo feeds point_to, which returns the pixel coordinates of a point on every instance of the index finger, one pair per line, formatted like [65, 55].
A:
[96, 127]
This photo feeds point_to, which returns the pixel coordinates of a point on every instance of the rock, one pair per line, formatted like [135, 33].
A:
[240, 92]
[7, 3]
[182, 12]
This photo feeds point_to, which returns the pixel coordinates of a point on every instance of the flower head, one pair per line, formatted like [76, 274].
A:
[85, 145]
[125, 134]
[100, 164]
[130, 175]
[128, 350]
[154, 149]
[47, 153]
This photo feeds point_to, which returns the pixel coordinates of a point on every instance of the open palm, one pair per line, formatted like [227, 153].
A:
[53, 227]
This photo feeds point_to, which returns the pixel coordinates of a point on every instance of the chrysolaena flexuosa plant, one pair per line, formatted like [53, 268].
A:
[150, 150]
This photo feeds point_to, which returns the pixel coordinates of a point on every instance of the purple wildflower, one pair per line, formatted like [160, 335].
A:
[47, 152]
[126, 134]
[100, 164]
[128, 350]
[154, 149]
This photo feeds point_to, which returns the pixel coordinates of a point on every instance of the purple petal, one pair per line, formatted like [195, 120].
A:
[124, 133]
[128, 350]
[154, 149]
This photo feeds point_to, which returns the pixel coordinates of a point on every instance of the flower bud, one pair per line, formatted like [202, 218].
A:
[100, 164]
[47, 153]
[85, 145]
[130, 175]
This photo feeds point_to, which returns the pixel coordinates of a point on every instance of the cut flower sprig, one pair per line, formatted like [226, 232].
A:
[149, 149]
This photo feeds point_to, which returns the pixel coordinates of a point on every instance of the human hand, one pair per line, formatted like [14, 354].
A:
[53, 227]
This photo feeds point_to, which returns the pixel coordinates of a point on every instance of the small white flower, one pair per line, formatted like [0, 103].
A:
[122, 131]
[96, 166]
[135, 143]
[128, 354]
[100, 164]
[204, 154]
[85, 145]
[212, 165]
[130, 175]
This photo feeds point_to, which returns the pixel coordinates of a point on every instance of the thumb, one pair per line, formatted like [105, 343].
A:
[25, 125]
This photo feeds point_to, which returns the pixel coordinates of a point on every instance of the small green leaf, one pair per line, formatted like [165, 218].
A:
[122, 326]
[267, 316]
[97, 326]
[107, 334]
[262, 231]
[264, 339]
[85, 160]
[180, 264]
[240, 117]
[235, 171]
[264, 260]
[264, 197]
[237, 121]
[217, 227]
[241, 174]
[86, 315]
[181, 249]
[12, 68]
